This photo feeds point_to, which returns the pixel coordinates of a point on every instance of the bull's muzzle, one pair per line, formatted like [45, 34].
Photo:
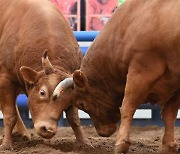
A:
[45, 129]
[106, 130]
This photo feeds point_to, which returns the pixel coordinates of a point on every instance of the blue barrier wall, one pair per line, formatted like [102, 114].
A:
[155, 117]
[85, 35]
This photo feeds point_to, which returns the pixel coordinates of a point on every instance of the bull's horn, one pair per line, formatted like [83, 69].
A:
[47, 66]
[62, 86]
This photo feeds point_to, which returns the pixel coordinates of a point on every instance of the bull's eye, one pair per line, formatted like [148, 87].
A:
[42, 92]
[81, 106]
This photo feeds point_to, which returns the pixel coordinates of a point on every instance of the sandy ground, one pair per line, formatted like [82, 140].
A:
[144, 140]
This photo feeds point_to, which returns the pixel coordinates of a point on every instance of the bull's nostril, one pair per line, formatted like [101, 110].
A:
[43, 129]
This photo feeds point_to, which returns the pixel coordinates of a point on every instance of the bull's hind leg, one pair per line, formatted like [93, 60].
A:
[20, 127]
[140, 80]
[169, 113]
[74, 121]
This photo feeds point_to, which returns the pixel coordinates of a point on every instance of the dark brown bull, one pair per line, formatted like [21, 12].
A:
[135, 59]
[27, 29]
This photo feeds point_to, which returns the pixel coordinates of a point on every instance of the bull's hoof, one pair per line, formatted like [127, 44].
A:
[24, 137]
[170, 148]
[27, 136]
[122, 148]
[4, 147]
[89, 145]
[85, 142]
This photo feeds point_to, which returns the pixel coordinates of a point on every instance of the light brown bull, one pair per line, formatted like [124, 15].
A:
[135, 59]
[31, 30]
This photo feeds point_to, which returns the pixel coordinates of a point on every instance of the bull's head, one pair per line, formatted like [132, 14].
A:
[93, 100]
[40, 86]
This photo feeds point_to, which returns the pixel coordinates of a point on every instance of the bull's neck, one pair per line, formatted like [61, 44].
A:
[102, 70]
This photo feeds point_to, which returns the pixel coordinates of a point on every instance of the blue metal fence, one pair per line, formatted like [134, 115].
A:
[154, 114]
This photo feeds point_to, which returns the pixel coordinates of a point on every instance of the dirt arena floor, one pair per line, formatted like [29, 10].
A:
[145, 140]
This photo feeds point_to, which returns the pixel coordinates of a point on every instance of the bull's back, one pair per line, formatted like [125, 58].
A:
[137, 27]
[28, 28]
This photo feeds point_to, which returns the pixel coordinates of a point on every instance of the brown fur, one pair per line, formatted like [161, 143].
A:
[27, 29]
[134, 59]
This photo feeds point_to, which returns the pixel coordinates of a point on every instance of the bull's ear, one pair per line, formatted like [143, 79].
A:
[79, 79]
[29, 75]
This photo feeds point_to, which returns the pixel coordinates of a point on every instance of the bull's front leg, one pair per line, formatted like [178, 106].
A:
[9, 120]
[169, 113]
[137, 88]
[74, 121]
[123, 142]
[20, 127]
[8, 96]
